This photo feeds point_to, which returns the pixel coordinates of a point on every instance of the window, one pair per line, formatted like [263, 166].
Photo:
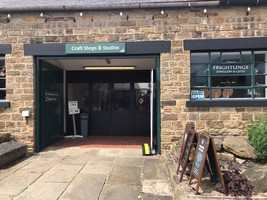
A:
[2, 78]
[228, 75]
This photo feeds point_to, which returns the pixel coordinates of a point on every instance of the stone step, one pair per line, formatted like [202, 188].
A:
[11, 151]
[5, 137]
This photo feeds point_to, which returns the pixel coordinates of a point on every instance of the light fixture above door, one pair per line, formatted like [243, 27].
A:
[109, 67]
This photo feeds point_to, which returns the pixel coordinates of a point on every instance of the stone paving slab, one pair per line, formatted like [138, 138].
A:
[94, 174]
[130, 161]
[125, 175]
[98, 167]
[157, 187]
[43, 191]
[120, 192]
[17, 182]
[83, 187]
[132, 152]
[155, 168]
[39, 166]
[77, 159]
[61, 173]
[5, 197]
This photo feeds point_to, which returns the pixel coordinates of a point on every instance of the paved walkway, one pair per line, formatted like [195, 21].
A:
[87, 174]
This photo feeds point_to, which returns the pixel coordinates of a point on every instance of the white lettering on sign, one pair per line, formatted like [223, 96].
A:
[79, 48]
[197, 95]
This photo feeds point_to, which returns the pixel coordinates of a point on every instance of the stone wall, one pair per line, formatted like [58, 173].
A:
[136, 25]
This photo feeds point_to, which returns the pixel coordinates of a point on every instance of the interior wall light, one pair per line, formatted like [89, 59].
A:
[248, 10]
[81, 14]
[8, 16]
[121, 13]
[109, 67]
[162, 12]
[41, 14]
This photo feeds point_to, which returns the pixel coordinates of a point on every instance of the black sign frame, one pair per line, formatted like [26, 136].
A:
[188, 141]
[214, 165]
[200, 159]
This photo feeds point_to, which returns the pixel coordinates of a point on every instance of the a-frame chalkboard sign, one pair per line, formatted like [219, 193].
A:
[206, 154]
[214, 163]
[187, 144]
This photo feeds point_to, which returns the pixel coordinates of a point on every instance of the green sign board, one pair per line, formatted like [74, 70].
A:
[231, 69]
[95, 48]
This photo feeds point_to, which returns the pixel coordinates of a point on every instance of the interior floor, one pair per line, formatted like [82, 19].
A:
[103, 142]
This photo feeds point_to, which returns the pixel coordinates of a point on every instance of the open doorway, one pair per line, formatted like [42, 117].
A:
[113, 102]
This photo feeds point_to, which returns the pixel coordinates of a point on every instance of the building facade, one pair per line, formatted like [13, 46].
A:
[209, 68]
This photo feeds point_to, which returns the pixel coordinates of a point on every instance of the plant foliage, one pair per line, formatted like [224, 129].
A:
[257, 136]
[236, 184]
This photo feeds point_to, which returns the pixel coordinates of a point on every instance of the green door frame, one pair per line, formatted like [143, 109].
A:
[37, 143]
[37, 94]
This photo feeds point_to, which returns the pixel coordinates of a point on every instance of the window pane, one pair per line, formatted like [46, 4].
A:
[2, 78]
[199, 58]
[100, 96]
[221, 81]
[260, 80]
[79, 92]
[199, 70]
[2, 83]
[215, 57]
[235, 93]
[260, 92]
[246, 56]
[260, 68]
[199, 81]
[2, 94]
[231, 57]
[121, 97]
[121, 86]
[142, 97]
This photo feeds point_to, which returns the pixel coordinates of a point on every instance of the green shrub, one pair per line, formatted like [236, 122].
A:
[257, 136]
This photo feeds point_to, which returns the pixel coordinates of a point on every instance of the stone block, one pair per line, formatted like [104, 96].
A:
[4, 137]
[239, 147]
[11, 151]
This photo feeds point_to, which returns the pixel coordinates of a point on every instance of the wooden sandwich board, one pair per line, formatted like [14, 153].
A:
[188, 142]
[205, 154]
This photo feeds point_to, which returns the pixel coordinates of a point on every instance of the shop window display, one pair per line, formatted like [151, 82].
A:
[2, 78]
[224, 75]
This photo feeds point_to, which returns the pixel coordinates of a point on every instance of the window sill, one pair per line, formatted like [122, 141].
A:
[227, 103]
[4, 104]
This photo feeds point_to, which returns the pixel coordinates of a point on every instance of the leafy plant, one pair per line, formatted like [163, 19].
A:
[257, 136]
[236, 184]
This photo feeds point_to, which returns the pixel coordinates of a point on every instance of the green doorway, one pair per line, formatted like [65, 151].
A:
[49, 104]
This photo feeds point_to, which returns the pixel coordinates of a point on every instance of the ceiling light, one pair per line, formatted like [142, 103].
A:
[109, 68]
